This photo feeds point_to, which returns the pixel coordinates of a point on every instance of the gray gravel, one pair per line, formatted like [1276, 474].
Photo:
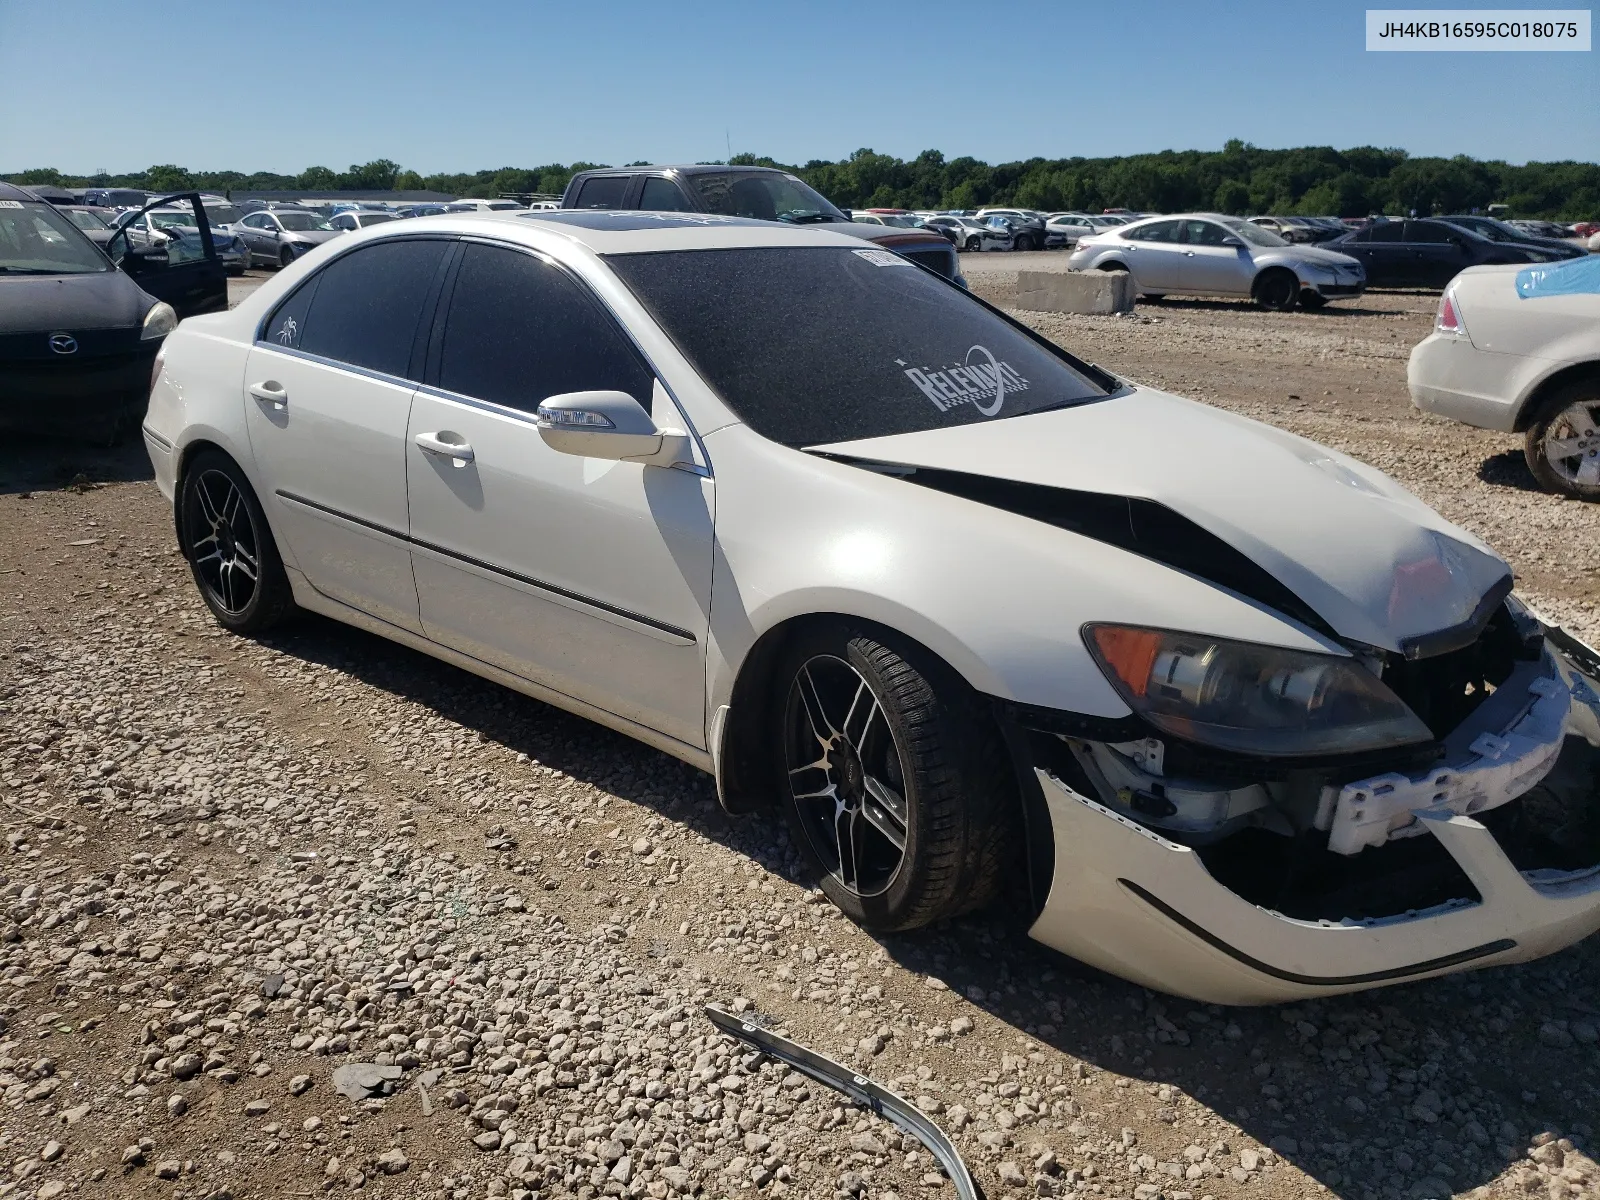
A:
[319, 914]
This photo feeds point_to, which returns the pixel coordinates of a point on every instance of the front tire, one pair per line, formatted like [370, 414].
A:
[1563, 442]
[229, 547]
[285, 257]
[1277, 290]
[974, 244]
[893, 778]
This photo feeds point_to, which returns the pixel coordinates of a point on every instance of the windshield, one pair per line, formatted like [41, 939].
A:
[764, 197]
[1256, 235]
[852, 343]
[301, 222]
[222, 214]
[375, 218]
[84, 219]
[166, 220]
[36, 239]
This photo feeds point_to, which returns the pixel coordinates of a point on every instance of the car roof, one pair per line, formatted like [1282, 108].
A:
[10, 191]
[686, 169]
[621, 231]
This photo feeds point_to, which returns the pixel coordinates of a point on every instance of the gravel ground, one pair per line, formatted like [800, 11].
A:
[233, 868]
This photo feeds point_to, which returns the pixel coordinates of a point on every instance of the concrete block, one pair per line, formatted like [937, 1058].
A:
[1098, 292]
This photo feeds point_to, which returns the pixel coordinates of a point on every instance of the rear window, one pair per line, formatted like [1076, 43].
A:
[830, 344]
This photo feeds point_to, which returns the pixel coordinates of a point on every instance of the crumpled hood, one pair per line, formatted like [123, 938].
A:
[1374, 562]
[47, 303]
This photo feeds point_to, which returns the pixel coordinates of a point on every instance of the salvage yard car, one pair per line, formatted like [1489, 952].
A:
[1239, 717]
[1518, 349]
[759, 193]
[1209, 254]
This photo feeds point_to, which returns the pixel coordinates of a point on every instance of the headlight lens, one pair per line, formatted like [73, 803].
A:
[158, 322]
[1251, 699]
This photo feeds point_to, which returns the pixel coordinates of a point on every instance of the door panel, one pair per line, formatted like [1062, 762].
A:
[587, 575]
[591, 577]
[332, 464]
[191, 278]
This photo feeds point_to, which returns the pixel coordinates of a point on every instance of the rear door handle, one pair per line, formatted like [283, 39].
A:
[270, 391]
[445, 444]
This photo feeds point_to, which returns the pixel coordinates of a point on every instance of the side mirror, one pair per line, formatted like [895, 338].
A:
[1237, 243]
[610, 425]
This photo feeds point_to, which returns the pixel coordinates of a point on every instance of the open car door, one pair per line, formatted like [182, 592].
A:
[179, 262]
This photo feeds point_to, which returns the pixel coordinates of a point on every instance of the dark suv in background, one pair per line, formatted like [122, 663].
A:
[762, 193]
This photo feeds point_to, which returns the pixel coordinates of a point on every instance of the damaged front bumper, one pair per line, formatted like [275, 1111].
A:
[1129, 899]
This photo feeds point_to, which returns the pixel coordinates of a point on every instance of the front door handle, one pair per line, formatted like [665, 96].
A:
[1188, 253]
[445, 444]
[270, 391]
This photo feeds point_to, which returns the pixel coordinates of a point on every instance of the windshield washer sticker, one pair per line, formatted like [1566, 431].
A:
[883, 258]
[980, 380]
[10, 203]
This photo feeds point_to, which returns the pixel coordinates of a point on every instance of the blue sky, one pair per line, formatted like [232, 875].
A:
[455, 85]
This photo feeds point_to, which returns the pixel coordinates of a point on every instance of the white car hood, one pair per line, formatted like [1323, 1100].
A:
[1374, 562]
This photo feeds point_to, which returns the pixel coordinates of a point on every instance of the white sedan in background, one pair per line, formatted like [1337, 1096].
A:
[1237, 716]
[1517, 349]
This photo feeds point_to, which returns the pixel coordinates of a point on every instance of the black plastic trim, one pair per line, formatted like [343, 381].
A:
[1459, 958]
[867, 1092]
[553, 589]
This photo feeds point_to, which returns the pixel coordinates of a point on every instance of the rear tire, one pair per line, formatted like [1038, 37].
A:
[1567, 419]
[892, 776]
[229, 546]
[1277, 290]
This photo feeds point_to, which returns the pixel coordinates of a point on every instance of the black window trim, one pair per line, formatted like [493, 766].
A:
[430, 372]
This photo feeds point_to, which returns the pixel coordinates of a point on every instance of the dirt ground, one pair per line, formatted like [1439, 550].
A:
[233, 866]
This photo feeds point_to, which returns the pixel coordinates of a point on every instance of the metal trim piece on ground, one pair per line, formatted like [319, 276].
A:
[864, 1091]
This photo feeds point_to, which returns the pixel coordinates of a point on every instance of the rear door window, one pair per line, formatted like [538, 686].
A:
[662, 195]
[1429, 231]
[603, 191]
[1156, 231]
[1389, 231]
[519, 330]
[367, 305]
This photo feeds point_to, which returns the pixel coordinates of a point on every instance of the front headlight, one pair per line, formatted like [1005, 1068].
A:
[1251, 699]
[158, 322]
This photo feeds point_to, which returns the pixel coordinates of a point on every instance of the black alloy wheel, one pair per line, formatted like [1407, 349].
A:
[894, 779]
[1277, 290]
[229, 546]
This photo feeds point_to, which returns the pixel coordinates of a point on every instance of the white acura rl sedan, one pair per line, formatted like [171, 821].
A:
[1239, 717]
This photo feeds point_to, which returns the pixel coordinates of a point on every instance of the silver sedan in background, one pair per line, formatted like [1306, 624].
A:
[1209, 254]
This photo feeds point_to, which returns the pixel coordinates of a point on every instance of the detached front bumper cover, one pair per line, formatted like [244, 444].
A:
[1132, 902]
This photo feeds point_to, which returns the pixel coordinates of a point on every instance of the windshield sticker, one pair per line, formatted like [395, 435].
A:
[979, 380]
[883, 258]
[10, 203]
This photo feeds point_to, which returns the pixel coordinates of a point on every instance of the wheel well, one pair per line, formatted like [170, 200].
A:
[1275, 269]
[1530, 406]
[200, 445]
[1111, 264]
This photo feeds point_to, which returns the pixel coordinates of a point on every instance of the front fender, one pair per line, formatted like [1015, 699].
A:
[1001, 598]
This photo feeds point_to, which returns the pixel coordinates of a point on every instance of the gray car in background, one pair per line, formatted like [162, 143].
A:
[276, 237]
[1208, 254]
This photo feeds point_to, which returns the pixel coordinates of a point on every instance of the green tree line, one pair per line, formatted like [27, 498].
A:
[1239, 178]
